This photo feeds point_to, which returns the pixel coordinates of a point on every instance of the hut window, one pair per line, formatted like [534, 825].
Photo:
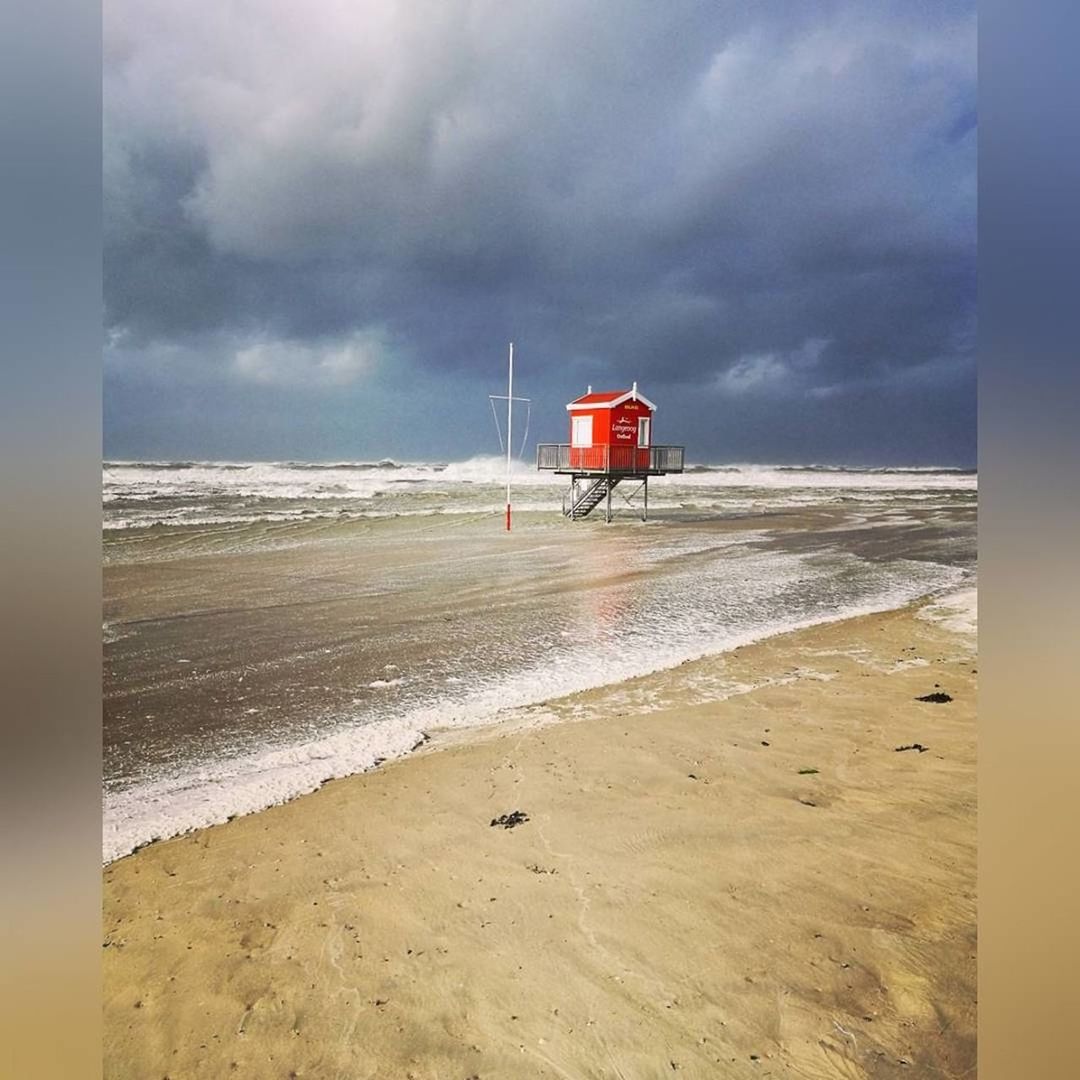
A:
[643, 431]
[581, 431]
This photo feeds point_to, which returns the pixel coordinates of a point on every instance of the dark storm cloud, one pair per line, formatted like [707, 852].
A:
[769, 206]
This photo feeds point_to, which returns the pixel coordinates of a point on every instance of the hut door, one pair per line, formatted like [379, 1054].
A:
[643, 431]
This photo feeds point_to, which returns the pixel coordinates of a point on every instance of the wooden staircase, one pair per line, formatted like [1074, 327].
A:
[591, 497]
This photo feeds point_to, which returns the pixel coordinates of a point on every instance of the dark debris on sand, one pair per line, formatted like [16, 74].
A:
[938, 697]
[508, 821]
[913, 746]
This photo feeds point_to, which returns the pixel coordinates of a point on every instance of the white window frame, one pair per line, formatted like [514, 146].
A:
[644, 431]
[581, 431]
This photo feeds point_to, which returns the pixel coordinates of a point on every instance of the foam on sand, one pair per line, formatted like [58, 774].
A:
[957, 611]
[216, 791]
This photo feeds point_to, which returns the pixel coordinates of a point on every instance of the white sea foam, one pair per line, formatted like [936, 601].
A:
[214, 791]
[141, 494]
[957, 611]
[290, 480]
[795, 477]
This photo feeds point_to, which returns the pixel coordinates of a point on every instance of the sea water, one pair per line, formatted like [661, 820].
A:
[269, 626]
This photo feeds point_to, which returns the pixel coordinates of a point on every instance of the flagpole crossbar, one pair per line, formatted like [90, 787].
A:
[503, 446]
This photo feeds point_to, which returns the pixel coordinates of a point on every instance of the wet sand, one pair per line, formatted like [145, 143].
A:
[728, 869]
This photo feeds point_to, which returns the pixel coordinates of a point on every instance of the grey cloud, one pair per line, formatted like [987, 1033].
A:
[687, 193]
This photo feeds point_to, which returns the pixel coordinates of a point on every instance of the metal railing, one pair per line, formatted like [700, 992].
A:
[637, 460]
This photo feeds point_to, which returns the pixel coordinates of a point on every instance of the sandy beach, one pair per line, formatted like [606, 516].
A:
[730, 868]
[539, 541]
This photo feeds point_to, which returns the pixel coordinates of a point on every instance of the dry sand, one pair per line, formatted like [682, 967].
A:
[686, 897]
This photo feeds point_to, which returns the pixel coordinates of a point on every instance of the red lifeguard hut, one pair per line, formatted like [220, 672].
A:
[610, 442]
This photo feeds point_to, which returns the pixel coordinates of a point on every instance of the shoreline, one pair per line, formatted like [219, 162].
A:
[402, 744]
[704, 884]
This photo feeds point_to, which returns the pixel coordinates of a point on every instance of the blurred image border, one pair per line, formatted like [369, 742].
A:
[51, 432]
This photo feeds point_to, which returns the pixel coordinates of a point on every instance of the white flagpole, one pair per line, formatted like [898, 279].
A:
[509, 429]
